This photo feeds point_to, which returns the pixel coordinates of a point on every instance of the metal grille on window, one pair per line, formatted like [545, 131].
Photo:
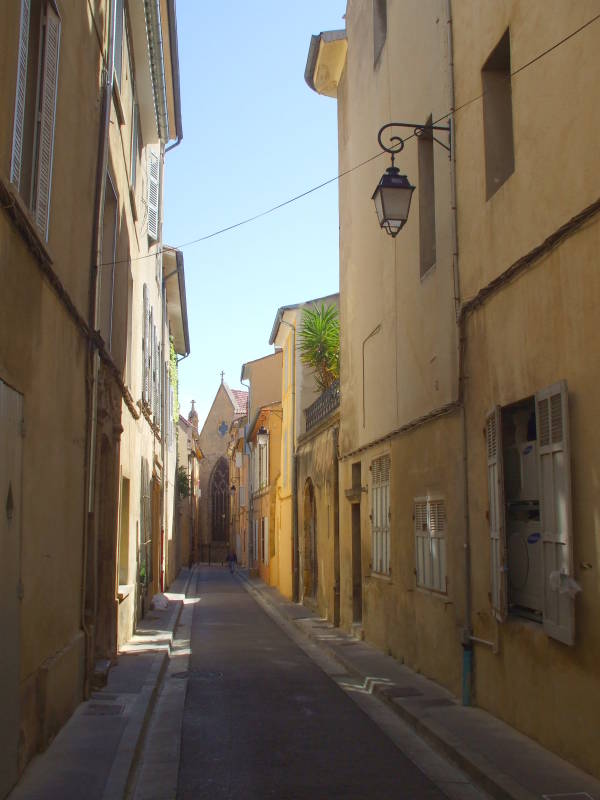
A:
[430, 543]
[380, 514]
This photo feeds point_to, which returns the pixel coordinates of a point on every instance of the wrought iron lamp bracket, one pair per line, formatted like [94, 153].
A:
[396, 143]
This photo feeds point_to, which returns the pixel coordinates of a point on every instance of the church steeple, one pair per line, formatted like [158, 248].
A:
[193, 416]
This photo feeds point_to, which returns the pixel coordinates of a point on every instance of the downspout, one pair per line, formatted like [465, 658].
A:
[336, 528]
[93, 360]
[295, 548]
[467, 637]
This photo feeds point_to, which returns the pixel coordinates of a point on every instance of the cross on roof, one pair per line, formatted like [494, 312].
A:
[222, 374]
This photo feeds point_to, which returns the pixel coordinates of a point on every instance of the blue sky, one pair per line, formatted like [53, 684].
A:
[254, 136]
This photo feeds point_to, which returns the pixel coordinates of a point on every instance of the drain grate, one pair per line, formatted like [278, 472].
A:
[568, 796]
[104, 709]
[199, 675]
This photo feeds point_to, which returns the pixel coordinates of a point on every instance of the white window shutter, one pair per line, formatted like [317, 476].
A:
[153, 194]
[19, 121]
[554, 470]
[159, 387]
[498, 575]
[154, 368]
[47, 105]
[146, 349]
[421, 542]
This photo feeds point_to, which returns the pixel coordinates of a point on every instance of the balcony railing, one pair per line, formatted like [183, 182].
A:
[323, 406]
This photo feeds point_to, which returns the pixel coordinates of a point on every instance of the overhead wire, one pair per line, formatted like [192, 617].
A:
[348, 171]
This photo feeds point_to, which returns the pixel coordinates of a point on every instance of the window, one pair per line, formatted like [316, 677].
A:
[35, 107]
[379, 28]
[430, 543]
[264, 540]
[380, 514]
[124, 533]
[108, 258]
[136, 149]
[263, 465]
[255, 541]
[242, 496]
[153, 197]
[529, 493]
[145, 543]
[497, 117]
[426, 200]
[146, 351]
[118, 44]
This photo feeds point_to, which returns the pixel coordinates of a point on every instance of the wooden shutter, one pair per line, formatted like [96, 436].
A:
[159, 375]
[145, 349]
[153, 194]
[380, 514]
[554, 470]
[19, 121]
[496, 514]
[437, 542]
[422, 558]
[266, 551]
[47, 106]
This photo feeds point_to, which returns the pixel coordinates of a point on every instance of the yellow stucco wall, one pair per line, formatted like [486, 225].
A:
[399, 337]
[529, 333]
[42, 349]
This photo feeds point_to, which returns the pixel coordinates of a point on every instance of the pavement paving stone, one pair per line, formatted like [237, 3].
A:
[93, 754]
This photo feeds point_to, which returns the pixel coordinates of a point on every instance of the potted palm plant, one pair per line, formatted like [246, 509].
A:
[319, 343]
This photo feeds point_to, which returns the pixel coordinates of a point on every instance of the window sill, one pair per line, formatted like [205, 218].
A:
[433, 592]
[125, 589]
[15, 207]
[379, 576]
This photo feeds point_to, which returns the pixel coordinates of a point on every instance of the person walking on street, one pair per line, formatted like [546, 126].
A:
[232, 561]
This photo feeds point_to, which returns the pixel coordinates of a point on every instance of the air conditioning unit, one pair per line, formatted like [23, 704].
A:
[520, 471]
[525, 564]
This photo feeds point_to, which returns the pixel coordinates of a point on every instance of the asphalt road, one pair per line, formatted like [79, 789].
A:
[262, 720]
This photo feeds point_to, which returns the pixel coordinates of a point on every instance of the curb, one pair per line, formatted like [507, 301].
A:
[132, 737]
[121, 777]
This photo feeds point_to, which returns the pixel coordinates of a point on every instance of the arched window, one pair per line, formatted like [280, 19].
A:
[219, 499]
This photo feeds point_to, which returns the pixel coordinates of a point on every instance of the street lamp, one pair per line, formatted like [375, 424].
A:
[394, 191]
[262, 437]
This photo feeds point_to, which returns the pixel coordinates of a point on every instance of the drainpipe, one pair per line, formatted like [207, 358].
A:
[467, 637]
[93, 357]
[336, 528]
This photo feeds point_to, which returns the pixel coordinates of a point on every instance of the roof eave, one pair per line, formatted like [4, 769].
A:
[325, 61]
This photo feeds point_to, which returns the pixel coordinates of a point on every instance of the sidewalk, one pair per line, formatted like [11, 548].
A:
[95, 753]
[503, 762]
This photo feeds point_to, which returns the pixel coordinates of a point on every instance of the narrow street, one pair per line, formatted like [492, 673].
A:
[261, 719]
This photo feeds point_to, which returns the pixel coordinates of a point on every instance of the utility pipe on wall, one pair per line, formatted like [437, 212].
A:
[467, 638]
